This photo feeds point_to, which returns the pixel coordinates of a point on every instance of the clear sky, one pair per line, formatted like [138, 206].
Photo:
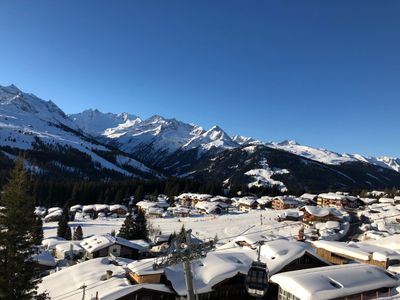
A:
[325, 73]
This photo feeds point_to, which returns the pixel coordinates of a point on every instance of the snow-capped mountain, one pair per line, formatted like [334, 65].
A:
[97, 123]
[31, 124]
[92, 144]
[154, 138]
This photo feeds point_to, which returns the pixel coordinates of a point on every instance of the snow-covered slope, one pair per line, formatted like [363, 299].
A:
[382, 161]
[28, 122]
[317, 154]
[96, 123]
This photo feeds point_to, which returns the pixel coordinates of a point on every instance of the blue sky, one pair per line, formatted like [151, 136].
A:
[325, 73]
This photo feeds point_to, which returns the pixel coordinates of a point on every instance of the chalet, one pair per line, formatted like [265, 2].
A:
[264, 202]
[54, 214]
[339, 253]
[338, 200]
[44, 261]
[105, 245]
[89, 210]
[222, 199]
[313, 214]
[206, 207]
[75, 208]
[102, 209]
[368, 201]
[179, 211]
[68, 250]
[154, 208]
[105, 279]
[118, 210]
[247, 203]
[285, 202]
[309, 199]
[191, 199]
[355, 281]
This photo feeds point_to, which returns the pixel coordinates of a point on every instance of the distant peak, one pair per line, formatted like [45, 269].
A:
[288, 143]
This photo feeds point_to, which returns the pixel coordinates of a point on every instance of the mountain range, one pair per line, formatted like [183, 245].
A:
[96, 145]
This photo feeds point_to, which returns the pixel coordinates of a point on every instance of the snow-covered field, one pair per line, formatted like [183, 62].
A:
[207, 226]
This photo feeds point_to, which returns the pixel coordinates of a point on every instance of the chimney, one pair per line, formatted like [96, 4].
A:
[108, 274]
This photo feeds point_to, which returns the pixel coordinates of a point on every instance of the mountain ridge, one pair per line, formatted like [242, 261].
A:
[127, 145]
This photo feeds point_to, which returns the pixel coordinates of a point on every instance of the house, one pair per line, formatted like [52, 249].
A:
[247, 203]
[342, 253]
[206, 207]
[331, 200]
[309, 199]
[368, 201]
[44, 261]
[53, 214]
[264, 202]
[285, 202]
[155, 208]
[105, 245]
[68, 250]
[313, 214]
[102, 209]
[104, 279]
[191, 199]
[89, 210]
[75, 208]
[220, 275]
[179, 211]
[355, 281]
[118, 210]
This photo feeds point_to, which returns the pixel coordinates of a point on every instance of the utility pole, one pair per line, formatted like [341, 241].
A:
[182, 250]
[83, 287]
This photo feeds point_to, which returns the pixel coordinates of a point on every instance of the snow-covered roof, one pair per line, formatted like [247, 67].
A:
[67, 282]
[386, 200]
[288, 199]
[52, 242]
[118, 206]
[76, 207]
[200, 197]
[145, 204]
[368, 201]
[100, 207]
[155, 211]
[308, 196]
[210, 207]
[281, 252]
[334, 281]
[214, 268]
[249, 201]
[219, 198]
[65, 246]
[97, 242]
[53, 209]
[253, 238]
[44, 258]
[343, 248]
[118, 294]
[333, 196]
[144, 267]
[53, 214]
[319, 211]
[87, 208]
[40, 211]
[264, 200]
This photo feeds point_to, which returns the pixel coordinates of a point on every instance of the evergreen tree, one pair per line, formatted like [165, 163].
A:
[63, 224]
[78, 233]
[112, 232]
[140, 227]
[127, 230]
[37, 231]
[16, 243]
[139, 194]
[68, 234]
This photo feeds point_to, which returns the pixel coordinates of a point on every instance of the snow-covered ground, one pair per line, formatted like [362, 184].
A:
[203, 226]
